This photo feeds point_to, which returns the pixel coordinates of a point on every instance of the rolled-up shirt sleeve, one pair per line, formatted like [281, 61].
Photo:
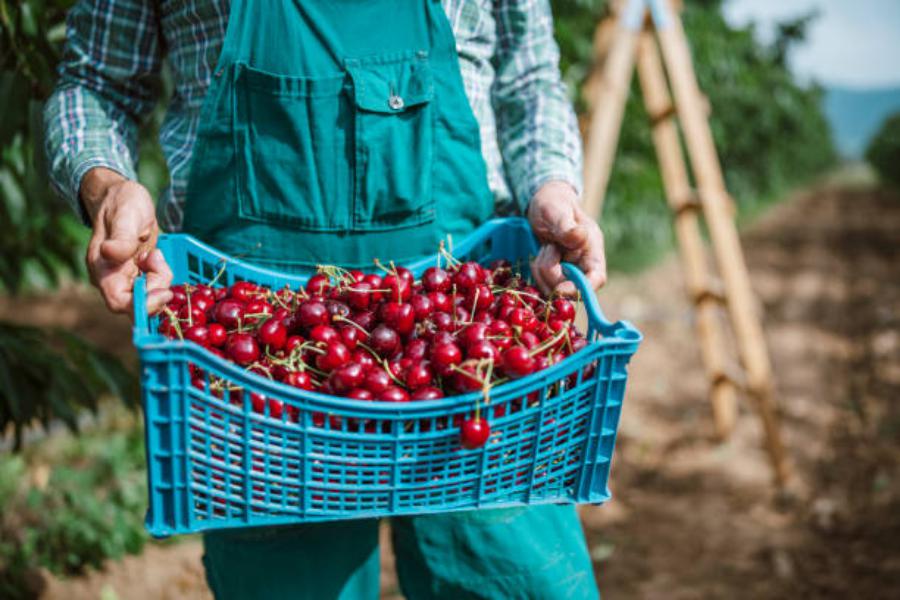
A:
[108, 83]
[536, 126]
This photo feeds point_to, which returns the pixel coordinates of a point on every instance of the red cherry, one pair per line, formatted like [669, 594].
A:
[384, 341]
[479, 296]
[481, 350]
[273, 334]
[203, 301]
[474, 433]
[347, 377]
[377, 286]
[529, 339]
[194, 316]
[350, 336]
[445, 356]
[359, 296]
[242, 348]
[336, 355]
[442, 321]
[179, 297]
[363, 359]
[418, 375]
[421, 305]
[312, 313]
[299, 379]
[360, 394]
[523, 318]
[467, 378]
[436, 279]
[440, 301]
[406, 275]
[563, 309]
[324, 334]
[442, 337]
[393, 394]
[199, 334]
[217, 335]
[293, 342]
[337, 308]
[318, 284]
[476, 332]
[243, 291]
[416, 350]
[398, 316]
[229, 313]
[220, 293]
[427, 393]
[398, 289]
[377, 380]
[365, 319]
[517, 362]
[468, 275]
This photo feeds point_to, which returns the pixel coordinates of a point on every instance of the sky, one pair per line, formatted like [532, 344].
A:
[853, 43]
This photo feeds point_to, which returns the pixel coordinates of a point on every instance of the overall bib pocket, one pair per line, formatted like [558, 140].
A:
[293, 143]
[394, 141]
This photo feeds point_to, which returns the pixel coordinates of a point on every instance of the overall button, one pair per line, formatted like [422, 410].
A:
[395, 102]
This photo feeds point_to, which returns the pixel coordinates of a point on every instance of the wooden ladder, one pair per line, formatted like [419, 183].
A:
[650, 32]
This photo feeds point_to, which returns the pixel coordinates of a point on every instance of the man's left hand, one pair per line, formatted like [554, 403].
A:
[567, 234]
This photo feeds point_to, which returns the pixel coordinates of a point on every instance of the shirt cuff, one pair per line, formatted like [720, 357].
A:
[530, 187]
[81, 166]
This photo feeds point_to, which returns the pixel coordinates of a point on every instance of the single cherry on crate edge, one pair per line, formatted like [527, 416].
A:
[474, 433]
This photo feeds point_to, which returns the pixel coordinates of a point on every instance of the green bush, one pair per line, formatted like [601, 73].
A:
[71, 503]
[883, 152]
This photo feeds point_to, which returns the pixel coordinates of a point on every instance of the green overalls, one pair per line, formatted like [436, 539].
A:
[334, 132]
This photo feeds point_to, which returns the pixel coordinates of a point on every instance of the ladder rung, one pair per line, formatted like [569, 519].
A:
[691, 202]
[712, 291]
[730, 374]
[667, 113]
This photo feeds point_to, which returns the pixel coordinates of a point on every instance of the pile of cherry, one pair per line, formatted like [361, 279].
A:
[386, 337]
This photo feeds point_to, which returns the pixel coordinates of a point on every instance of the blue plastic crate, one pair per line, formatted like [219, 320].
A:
[213, 464]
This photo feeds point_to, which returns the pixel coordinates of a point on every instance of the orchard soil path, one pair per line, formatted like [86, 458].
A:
[693, 518]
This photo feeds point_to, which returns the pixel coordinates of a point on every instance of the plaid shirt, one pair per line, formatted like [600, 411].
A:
[110, 82]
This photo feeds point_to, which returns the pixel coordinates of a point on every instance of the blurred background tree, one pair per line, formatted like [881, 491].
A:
[883, 152]
[770, 130]
[44, 375]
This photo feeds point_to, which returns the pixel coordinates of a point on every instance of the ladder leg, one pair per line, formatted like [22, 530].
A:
[715, 201]
[609, 96]
[687, 230]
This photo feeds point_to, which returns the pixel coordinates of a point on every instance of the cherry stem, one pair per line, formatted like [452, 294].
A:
[549, 343]
[218, 275]
[175, 321]
[352, 323]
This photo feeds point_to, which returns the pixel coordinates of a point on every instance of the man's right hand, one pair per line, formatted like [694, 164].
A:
[124, 241]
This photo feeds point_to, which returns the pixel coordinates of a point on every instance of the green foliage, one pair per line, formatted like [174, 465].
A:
[883, 152]
[43, 375]
[41, 240]
[48, 374]
[71, 503]
[770, 131]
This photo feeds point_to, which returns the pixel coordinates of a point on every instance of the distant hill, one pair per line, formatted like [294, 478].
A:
[856, 114]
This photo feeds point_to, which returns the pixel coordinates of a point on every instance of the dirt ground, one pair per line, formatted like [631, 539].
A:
[693, 518]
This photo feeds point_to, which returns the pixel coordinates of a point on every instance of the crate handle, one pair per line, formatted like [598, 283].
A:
[595, 314]
[139, 302]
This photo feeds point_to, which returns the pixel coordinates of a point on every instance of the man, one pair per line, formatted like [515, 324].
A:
[305, 131]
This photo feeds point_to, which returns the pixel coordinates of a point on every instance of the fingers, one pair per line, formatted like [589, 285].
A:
[116, 284]
[159, 280]
[547, 270]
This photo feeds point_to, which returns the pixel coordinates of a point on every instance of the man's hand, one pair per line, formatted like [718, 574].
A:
[567, 234]
[124, 241]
